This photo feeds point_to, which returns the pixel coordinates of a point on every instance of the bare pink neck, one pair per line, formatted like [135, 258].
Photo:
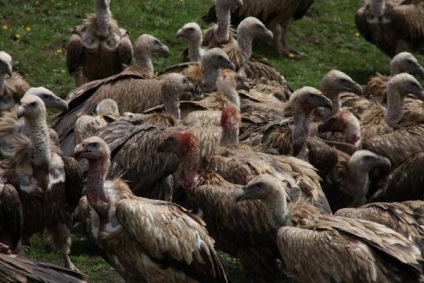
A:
[96, 193]
[189, 166]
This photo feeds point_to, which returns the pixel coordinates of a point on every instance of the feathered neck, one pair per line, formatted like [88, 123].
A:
[194, 48]
[333, 94]
[171, 100]
[395, 104]
[2, 85]
[357, 184]
[277, 210]
[144, 60]
[38, 132]
[97, 195]
[301, 126]
[377, 7]
[229, 91]
[223, 15]
[103, 15]
[244, 41]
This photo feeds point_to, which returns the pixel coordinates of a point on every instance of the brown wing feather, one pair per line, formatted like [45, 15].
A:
[172, 236]
[74, 53]
[11, 217]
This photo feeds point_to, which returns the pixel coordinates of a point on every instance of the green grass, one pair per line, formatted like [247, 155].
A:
[35, 33]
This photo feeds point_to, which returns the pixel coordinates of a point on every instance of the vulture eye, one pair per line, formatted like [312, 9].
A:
[156, 42]
[185, 81]
[32, 104]
[44, 96]
[343, 81]
[94, 145]
[190, 29]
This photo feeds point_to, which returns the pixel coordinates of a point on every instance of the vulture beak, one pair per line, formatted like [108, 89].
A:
[21, 111]
[78, 151]
[246, 192]
[165, 51]
[61, 105]
[421, 95]
[180, 33]
[420, 72]
[245, 85]
[356, 89]
[229, 65]
[384, 162]
[268, 34]
[190, 87]
[9, 70]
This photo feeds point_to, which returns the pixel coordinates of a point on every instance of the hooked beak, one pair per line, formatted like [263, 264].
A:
[180, 33]
[21, 111]
[9, 70]
[229, 65]
[62, 105]
[165, 51]
[357, 89]
[268, 34]
[78, 151]
[245, 86]
[244, 193]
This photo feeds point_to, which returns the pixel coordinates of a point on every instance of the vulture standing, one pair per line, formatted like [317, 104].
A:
[324, 248]
[392, 25]
[12, 87]
[277, 16]
[144, 240]
[49, 185]
[98, 48]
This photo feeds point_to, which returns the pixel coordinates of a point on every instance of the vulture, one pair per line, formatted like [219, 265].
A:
[21, 270]
[98, 48]
[49, 185]
[11, 215]
[392, 26]
[349, 185]
[192, 33]
[134, 95]
[210, 194]
[277, 16]
[145, 240]
[144, 48]
[405, 217]
[325, 248]
[86, 125]
[403, 183]
[12, 85]
[403, 62]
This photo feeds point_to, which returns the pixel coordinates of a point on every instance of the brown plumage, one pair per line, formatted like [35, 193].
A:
[134, 96]
[15, 269]
[319, 247]
[348, 185]
[406, 217]
[404, 183]
[86, 125]
[403, 62]
[98, 48]
[393, 26]
[277, 16]
[144, 48]
[225, 219]
[144, 240]
[49, 185]
[11, 215]
[12, 87]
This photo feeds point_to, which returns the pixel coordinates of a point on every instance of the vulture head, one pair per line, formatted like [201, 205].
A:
[50, 99]
[191, 32]
[335, 82]
[174, 85]
[397, 88]
[92, 149]
[250, 28]
[5, 64]
[31, 107]
[405, 62]
[307, 98]
[365, 161]
[271, 192]
[107, 106]
[146, 45]
[344, 122]
[213, 60]
[216, 58]
[180, 143]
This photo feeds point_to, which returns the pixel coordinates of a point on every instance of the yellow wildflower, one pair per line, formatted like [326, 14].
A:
[291, 55]
[357, 34]
[28, 28]
[17, 36]
[59, 51]
[5, 27]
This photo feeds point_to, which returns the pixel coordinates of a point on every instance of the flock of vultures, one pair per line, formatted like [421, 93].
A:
[218, 153]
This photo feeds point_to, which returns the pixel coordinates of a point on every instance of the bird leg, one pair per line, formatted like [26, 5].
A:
[281, 42]
[61, 235]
